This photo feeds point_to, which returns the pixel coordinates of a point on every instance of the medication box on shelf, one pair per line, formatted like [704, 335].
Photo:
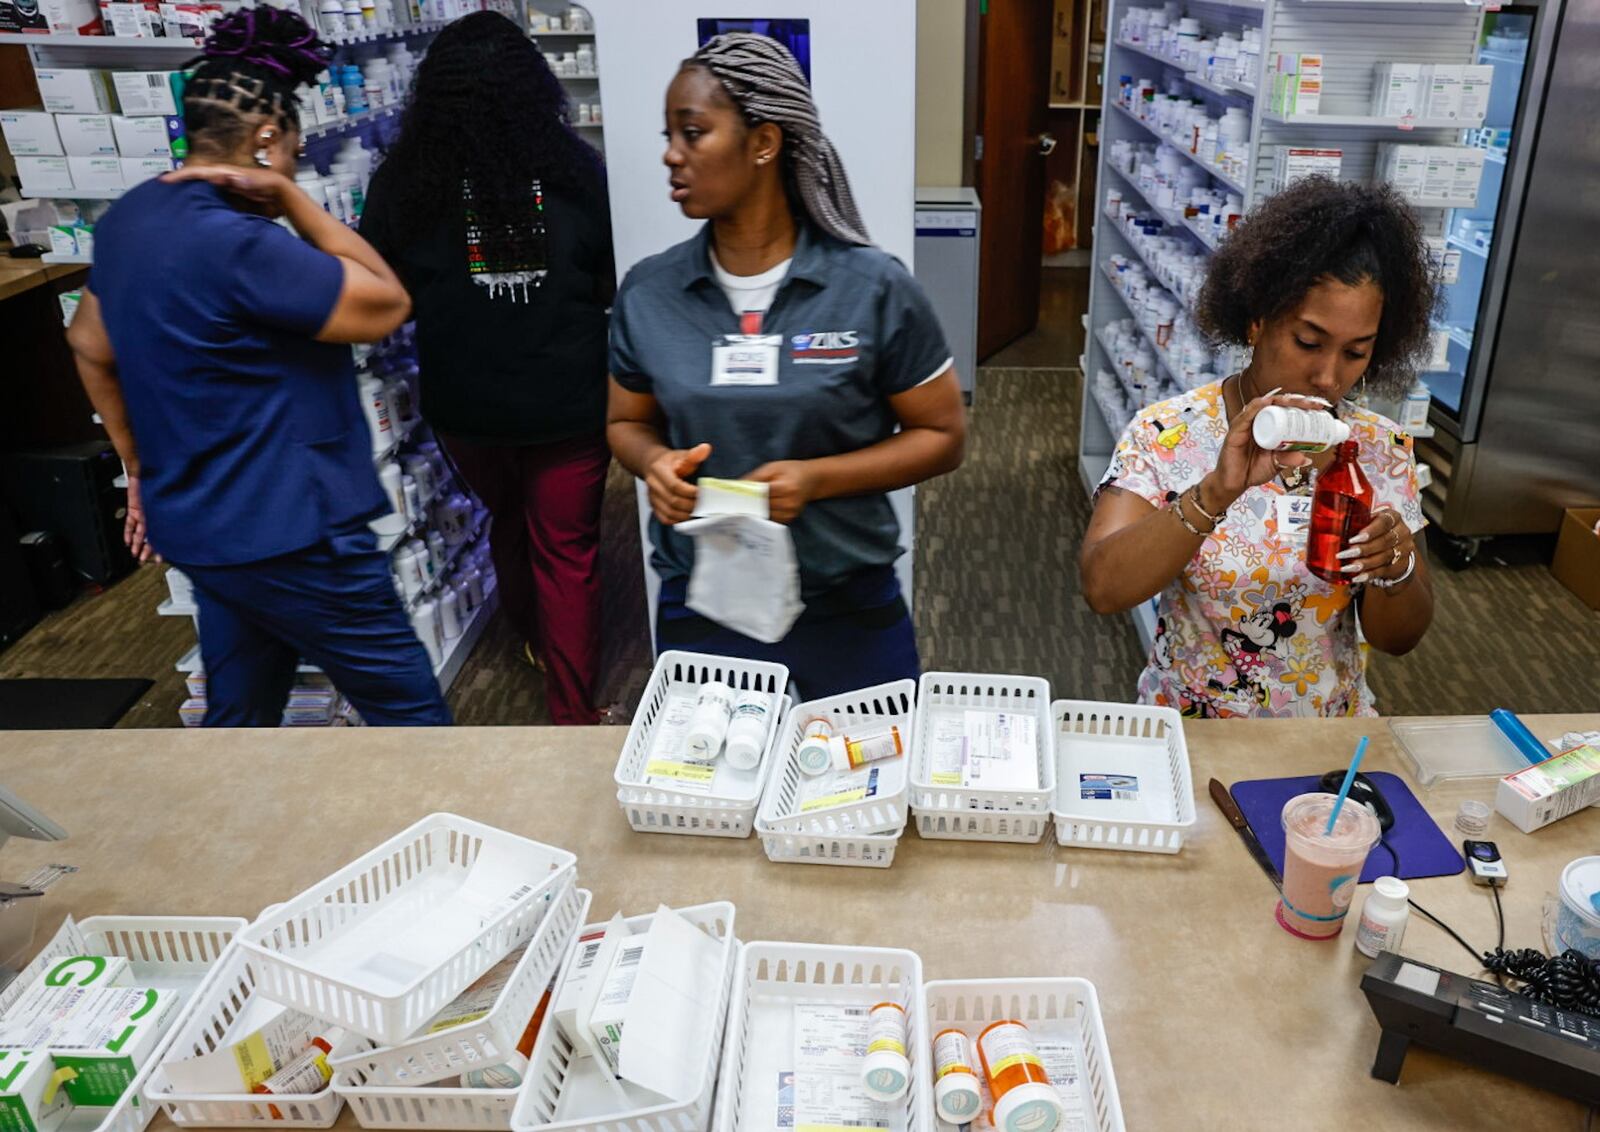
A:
[67, 91]
[143, 93]
[189, 21]
[62, 17]
[1296, 163]
[1446, 259]
[1468, 175]
[29, 133]
[1397, 90]
[137, 170]
[131, 19]
[141, 137]
[86, 135]
[95, 174]
[1441, 92]
[1476, 80]
[1297, 83]
[44, 176]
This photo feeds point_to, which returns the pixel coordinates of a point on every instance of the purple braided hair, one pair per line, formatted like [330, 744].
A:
[271, 38]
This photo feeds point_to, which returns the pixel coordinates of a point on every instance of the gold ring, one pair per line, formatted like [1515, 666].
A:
[1395, 557]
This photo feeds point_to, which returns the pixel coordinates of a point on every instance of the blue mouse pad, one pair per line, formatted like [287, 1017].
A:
[1423, 848]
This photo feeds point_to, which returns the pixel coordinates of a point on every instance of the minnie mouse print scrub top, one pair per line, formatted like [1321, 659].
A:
[1246, 629]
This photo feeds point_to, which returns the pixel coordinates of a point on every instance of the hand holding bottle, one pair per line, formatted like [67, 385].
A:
[1242, 463]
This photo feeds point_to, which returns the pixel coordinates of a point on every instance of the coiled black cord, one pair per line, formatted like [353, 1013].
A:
[1570, 981]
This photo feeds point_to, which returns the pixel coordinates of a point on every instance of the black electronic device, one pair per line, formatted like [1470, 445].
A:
[1481, 1023]
[19, 601]
[1483, 858]
[1363, 790]
[27, 251]
[72, 491]
[53, 579]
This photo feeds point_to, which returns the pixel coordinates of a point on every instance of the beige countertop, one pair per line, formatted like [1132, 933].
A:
[1216, 1017]
[19, 275]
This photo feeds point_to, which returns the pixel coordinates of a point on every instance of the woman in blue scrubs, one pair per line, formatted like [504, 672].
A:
[214, 345]
[855, 395]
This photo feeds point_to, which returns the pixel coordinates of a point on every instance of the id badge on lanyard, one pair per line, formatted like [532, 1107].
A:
[747, 358]
[1294, 518]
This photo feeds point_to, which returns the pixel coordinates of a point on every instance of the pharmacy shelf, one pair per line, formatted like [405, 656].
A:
[1149, 52]
[1092, 469]
[1117, 420]
[457, 651]
[451, 560]
[1367, 122]
[1162, 355]
[1196, 231]
[52, 257]
[105, 42]
[349, 122]
[377, 35]
[1247, 89]
[532, 34]
[1173, 217]
[1138, 253]
[1216, 86]
[1470, 249]
[79, 194]
[1440, 202]
[1493, 156]
[1210, 168]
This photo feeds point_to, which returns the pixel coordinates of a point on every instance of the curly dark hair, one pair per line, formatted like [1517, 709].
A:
[486, 108]
[251, 65]
[1319, 229]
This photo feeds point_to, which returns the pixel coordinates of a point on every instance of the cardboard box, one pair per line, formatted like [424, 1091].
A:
[1577, 561]
[1441, 93]
[138, 170]
[63, 17]
[1468, 175]
[132, 20]
[190, 21]
[1296, 163]
[1476, 81]
[609, 1017]
[30, 133]
[86, 135]
[1306, 90]
[145, 93]
[1396, 90]
[592, 953]
[44, 176]
[69, 305]
[24, 1077]
[141, 137]
[68, 91]
[96, 174]
[1548, 791]
[1439, 172]
[107, 1043]
[1405, 167]
[262, 1039]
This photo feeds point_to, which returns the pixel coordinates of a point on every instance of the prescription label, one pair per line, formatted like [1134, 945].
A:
[686, 772]
[1108, 787]
[1062, 1060]
[829, 1096]
[841, 789]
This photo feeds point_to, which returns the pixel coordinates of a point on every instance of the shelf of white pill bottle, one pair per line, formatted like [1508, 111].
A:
[1064, 1010]
[1144, 746]
[562, 1092]
[728, 809]
[771, 980]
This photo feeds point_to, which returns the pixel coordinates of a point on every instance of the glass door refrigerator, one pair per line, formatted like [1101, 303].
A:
[1515, 377]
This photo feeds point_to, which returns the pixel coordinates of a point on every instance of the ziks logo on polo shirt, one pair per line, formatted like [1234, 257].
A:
[826, 347]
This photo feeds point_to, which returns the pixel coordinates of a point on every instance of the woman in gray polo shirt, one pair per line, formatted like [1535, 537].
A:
[856, 395]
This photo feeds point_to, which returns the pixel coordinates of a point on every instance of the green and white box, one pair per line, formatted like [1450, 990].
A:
[24, 1080]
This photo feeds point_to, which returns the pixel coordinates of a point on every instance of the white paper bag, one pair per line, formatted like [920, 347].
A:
[745, 575]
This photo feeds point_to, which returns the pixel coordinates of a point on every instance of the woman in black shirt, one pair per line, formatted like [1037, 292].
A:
[493, 212]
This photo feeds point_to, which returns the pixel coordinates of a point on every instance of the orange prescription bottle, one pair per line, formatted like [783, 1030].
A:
[1024, 1099]
[955, 1081]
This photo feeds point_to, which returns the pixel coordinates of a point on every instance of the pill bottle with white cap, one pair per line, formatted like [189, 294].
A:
[747, 732]
[886, 1071]
[708, 727]
[815, 754]
[1024, 1099]
[955, 1081]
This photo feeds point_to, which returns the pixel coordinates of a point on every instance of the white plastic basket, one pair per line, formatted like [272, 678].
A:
[492, 1038]
[202, 1030]
[322, 951]
[658, 809]
[1045, 1006]
[884, 813]
[173, 953]
[377, 1105]
[969, 814]
[1145, 743]
[775, 977]
[541, 1107]
[863, 850]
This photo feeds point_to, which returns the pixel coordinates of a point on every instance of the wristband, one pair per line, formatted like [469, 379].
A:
[1387, 584]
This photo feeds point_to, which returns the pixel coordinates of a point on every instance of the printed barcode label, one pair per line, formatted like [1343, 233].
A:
[630, 956]
[520, 893]
[155, 82]
[1108, 787]
[590, 952]
[856, 1011]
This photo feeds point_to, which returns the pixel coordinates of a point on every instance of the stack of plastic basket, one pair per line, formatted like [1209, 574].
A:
[946, 806]
[645, 772]
[802, 824]
[374, 953]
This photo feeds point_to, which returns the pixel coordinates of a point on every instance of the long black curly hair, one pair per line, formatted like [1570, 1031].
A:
[486, 108]
[1320, 229]
[251, 65]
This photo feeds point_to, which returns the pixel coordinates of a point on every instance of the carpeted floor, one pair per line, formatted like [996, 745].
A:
[997, 591]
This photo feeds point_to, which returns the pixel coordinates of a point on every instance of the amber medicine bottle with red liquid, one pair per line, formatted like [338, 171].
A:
[1340, 507]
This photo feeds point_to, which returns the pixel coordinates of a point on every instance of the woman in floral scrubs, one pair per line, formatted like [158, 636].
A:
[1332, 287]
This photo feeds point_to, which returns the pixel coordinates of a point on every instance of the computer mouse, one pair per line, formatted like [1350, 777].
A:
[1362, 790]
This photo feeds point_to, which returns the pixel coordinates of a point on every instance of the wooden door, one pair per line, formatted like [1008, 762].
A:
[1013, 100]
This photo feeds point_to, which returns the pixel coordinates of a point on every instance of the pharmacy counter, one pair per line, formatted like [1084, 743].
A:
[21, 275]
[1216, 1017]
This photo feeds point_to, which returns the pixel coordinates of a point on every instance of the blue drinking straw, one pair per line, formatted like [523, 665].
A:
[1344, 789]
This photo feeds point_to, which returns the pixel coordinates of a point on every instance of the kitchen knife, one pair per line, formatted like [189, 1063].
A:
[1230, 810]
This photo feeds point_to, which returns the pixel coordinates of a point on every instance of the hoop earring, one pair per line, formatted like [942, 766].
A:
[262, 159]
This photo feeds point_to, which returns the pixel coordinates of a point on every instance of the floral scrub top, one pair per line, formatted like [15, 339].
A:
[1246, 629]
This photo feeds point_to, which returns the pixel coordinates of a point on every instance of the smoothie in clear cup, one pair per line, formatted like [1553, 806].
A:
[1320, 871]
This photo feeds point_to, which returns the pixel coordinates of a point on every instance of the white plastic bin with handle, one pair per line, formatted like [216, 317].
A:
[385, 943]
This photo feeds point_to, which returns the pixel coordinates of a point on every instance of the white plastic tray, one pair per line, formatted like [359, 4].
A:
[775, 977]
[728, 812]
[387, 1106]
[166, 952]
[492, 1038]
[966, 814]
[558, 1095]
[1144, 744]
[884, 813]
[863, 850]
[382, 945]
[1049, 1008]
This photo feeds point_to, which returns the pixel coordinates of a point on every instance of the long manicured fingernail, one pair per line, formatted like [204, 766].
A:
[1321, 401]
[1359, 580]
[1350, 568]
[1359, 538]
[1353, 552]
[1275, 389]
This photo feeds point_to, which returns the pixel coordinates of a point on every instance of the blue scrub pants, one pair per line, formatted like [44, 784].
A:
[333, 604]
[855, 636]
